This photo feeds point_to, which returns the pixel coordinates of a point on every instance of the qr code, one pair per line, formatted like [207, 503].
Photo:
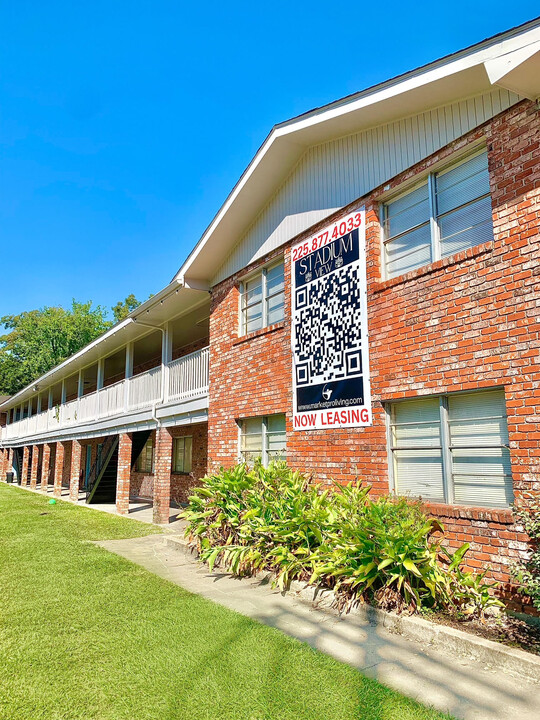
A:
[327, 334]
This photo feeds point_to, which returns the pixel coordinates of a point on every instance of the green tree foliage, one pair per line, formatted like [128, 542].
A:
[123, 307]
[37, 340]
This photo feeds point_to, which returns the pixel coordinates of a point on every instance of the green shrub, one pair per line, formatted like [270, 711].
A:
[382, 551]
[527, 572]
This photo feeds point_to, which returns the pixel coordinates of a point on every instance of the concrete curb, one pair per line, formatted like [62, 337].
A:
[488, 653]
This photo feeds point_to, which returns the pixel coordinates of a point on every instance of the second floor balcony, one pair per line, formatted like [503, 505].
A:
[167, 389]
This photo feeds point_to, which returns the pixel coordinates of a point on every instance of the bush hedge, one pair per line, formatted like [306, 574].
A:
[527, 572]
[385, 551]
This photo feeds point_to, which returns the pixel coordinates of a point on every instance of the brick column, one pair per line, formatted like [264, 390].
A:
[75, 474]
[3, 463]
[162, 475]
[45, 464]
[24, 471]
[9, 466]
[34, 466]
[123, 474]
[58, 469]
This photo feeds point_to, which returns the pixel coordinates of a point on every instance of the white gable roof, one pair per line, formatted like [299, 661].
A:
[510, 60]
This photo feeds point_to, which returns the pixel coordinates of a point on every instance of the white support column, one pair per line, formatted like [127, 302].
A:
[166, 357]
[30, 408]
[100, 373]
[100, 379]
[80, 391]
[63, 396]
[49, 404]
[80, 384]
[38, 407]
[128, 374]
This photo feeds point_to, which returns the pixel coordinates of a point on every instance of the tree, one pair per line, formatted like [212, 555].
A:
[122, 308]
[38, 340]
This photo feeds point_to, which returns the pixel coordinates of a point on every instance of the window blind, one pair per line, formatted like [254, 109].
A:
[481, 470]
[448, 213]
[417, 449]
[470, 431]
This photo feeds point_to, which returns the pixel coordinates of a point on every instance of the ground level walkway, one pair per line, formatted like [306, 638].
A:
[138, 509]
[432, 677]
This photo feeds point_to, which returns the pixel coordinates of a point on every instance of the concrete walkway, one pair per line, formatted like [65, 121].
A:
[138, 509]
[452, 684]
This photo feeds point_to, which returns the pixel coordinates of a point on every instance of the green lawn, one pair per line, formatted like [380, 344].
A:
[86, 634]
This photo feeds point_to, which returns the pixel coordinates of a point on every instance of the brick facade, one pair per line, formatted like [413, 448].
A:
[34, 466]
[58, 468]
[25, 464]
[45, 467]
[4, 454]
[463, 323]
[162, 475]
[124, 472]
[75, 470]
[181, 484]
[466, 322]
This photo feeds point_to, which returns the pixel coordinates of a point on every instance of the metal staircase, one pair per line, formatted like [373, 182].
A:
[101, 482]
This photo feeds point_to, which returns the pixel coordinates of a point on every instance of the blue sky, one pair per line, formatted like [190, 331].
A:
[123, 126]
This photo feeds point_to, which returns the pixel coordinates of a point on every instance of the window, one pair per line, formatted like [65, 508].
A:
[263, 438]
[262, 299]
[145, 461]
[182, 454]
[452, 448]
[449, 212]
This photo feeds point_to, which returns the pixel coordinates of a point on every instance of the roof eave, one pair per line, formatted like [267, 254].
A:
[288, 140]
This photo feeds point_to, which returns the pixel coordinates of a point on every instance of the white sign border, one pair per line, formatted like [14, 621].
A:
[325, 419]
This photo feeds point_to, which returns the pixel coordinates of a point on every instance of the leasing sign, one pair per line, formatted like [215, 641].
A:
[329, 328]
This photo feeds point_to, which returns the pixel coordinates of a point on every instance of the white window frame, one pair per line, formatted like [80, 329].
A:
[264, 437]
[175, 445]
[262, 272]
[446, 447]
[435, 234]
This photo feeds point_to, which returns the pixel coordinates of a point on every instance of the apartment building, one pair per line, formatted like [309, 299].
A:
[365, 304]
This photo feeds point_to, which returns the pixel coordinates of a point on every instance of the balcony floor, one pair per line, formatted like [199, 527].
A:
[138, 509]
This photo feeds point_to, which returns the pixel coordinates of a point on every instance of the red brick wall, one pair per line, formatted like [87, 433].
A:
[66, 473]
[187, 349]
[465, 322]
[142, 484]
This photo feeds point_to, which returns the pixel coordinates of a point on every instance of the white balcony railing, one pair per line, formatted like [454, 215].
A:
[189, 374]
[145, 389]
[187, 378]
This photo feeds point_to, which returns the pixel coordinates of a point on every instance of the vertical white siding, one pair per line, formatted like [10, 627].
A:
[333, 174]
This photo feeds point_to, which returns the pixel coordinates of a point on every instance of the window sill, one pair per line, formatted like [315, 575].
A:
[468, 254]
[499, 515]
[177, 473]
[258, 333]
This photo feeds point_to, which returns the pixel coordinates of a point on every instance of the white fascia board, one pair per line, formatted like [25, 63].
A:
[518, 71]
[296, 133]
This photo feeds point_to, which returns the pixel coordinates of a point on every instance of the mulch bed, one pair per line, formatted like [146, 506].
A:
[506, 629]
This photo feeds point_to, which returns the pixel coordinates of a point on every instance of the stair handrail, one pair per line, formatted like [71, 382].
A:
[100, 464]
